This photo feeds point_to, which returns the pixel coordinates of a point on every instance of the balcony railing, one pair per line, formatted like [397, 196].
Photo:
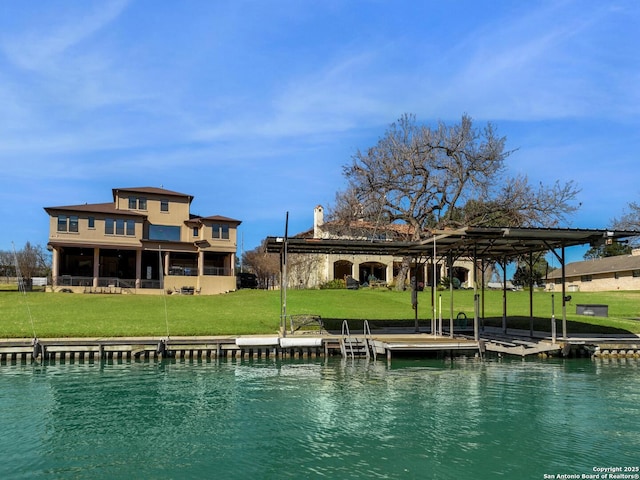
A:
[217, 271]
[130, 283]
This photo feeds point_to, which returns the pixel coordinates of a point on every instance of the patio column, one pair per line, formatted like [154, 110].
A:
[200, 263]
[138, 268]
[96, 266]
[166, 264]
[389, 278]
[55, 267]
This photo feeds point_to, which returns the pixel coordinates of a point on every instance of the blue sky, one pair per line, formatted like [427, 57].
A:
[253, 107]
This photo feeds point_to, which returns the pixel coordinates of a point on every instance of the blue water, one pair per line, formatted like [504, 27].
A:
[319, 419]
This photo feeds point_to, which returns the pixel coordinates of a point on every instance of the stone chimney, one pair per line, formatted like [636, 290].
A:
[318, 221]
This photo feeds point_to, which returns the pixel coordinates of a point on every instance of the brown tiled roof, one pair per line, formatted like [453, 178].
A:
[106, 208]
[361, 225]
[618, 263]
[152, 191]
[218, 218]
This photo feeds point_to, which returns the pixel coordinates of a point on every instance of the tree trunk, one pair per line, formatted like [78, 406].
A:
[401, 278]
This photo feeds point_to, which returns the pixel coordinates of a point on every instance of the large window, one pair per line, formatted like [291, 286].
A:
[119, 227]
[164, 232]
[67, 223]
[220, 230]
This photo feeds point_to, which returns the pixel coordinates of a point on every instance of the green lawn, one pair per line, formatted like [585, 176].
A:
[257, 311]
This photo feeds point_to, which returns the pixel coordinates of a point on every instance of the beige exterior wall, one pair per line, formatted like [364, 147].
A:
[599, 283]
[311, 271]
[86, 236]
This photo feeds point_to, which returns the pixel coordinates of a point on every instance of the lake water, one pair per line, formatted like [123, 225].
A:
[326, 419]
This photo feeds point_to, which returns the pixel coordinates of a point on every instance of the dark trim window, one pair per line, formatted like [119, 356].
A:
[635, 273]
[67, 223]
[119, 226]
[91, 222]
[586, 278]
[220, 230]
[139, 203]
[62, 223]
[196, 231]
[164, 205]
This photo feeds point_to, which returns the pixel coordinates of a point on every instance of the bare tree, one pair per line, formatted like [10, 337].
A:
[7, 265]
[447, 176]
[265, 265]
[630, 220]
[33, 261]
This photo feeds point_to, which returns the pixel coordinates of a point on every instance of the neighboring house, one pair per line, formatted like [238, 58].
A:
[621, 272]
[144, 241]
[312, 270]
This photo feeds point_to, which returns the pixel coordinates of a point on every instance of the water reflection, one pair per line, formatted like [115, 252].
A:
[331, 419]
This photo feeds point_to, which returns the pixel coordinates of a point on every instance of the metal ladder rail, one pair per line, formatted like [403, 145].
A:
[368, 341]
[346, 336]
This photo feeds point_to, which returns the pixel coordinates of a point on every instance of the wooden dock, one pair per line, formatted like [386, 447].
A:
[315, 345]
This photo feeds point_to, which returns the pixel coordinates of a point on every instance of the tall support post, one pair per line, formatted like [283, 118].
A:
[450, 265]
[284, 279]
[564, 297]
[476, 333]
[414, 300]
[504, 295]
[433, 288]
[531, 294]
[483, 267]
[553, 319]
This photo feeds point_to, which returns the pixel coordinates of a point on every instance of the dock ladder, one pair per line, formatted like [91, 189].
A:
[357, 347]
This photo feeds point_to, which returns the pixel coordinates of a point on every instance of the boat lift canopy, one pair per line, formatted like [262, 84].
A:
[479, 242]
[492, 244]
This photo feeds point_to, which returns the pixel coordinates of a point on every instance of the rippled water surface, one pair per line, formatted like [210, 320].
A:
[319, 419]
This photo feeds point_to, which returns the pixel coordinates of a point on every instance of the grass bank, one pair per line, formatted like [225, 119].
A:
[257, 311]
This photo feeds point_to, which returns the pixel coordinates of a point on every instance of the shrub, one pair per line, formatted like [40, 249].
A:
[334, 284]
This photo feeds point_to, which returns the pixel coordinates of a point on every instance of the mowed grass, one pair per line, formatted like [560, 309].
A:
[258, 311]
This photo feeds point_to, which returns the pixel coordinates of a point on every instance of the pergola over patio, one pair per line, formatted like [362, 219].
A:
[481, 244]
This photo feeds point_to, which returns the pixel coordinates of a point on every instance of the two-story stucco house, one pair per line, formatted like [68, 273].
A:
[145, 241]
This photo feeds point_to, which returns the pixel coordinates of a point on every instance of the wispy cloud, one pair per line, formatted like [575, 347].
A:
[41, 47]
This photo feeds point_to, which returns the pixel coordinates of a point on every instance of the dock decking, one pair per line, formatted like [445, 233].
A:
[313, 345]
